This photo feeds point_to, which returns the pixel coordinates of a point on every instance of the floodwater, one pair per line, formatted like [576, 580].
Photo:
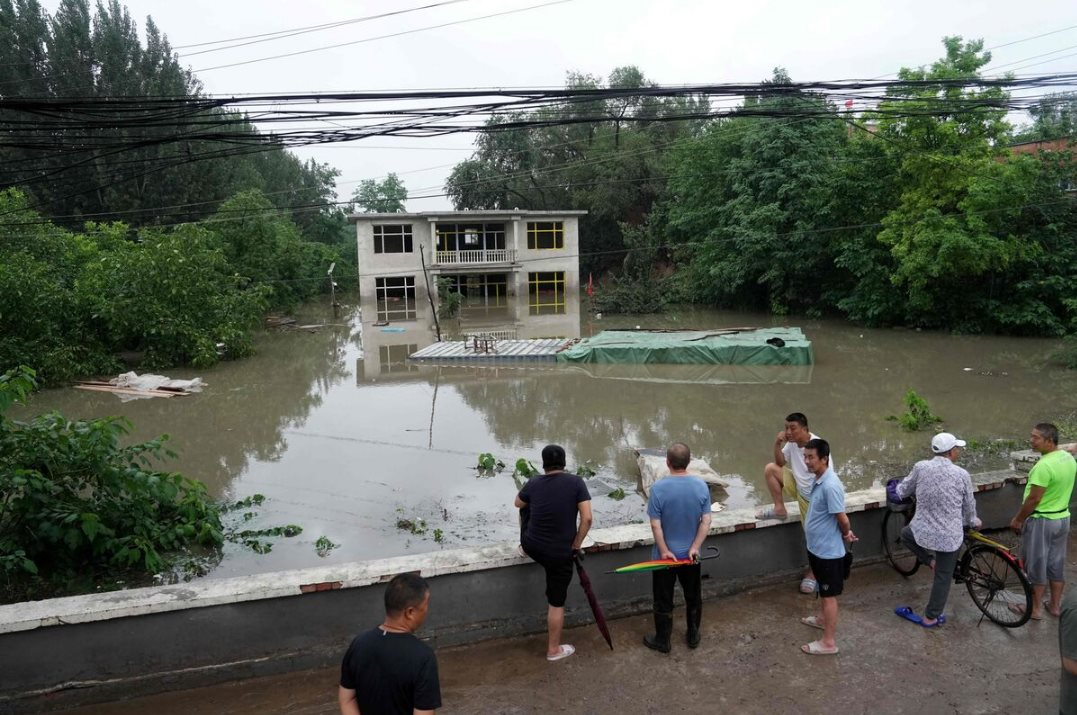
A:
[346, 438]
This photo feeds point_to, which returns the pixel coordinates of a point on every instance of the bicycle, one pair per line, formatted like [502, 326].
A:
[992, 573]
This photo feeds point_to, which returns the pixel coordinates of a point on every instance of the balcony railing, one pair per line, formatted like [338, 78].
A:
[474, 257]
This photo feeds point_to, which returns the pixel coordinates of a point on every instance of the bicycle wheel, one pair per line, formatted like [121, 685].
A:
[903, 560]
[997, 585]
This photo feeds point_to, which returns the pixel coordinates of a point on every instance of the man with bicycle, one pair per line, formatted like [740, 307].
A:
[944, 506]
[1044, 518]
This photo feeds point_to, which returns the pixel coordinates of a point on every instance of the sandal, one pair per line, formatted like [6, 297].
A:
[808, 585]
[812, 621]
[909, 615]
[566, 651]
[817, 648]
[769, 513]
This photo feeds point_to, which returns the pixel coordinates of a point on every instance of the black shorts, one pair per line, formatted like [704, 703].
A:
[558, 577]
[829, 574]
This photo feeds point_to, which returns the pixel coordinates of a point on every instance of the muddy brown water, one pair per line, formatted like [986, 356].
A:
[346, 441]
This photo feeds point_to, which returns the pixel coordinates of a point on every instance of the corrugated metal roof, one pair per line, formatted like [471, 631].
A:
[459, 350]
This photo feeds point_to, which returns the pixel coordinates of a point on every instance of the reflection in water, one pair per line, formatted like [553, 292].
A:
[347, 455]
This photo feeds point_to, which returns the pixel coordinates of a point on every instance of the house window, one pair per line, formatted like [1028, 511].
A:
[396, 297]
[488, 290]
[392, 239]
[546, 292]
[543, 235]
[470, 237]
[394, 358]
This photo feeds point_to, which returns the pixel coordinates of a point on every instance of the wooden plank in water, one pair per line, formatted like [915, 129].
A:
[129, 391]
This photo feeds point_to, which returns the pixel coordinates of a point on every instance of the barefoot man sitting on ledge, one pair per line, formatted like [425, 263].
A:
[789, 475]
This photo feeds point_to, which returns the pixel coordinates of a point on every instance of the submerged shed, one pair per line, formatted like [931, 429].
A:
[724, 346]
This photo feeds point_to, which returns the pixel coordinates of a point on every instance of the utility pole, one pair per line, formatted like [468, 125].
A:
[332, 288]
[429, 295]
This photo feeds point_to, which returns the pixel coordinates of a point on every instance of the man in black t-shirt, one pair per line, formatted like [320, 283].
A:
[387, 670]
[552, 535]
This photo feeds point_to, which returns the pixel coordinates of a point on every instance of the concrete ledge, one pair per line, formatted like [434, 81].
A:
[144, 640]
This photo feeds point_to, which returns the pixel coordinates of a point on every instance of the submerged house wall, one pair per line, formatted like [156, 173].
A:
[67, 651]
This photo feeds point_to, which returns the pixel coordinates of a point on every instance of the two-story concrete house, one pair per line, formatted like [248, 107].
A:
[489, 256]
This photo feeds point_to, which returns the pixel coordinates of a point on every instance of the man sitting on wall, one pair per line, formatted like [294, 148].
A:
[551, 535]
[788, 475]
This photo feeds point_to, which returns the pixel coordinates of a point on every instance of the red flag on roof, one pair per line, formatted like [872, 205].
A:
[848, 104]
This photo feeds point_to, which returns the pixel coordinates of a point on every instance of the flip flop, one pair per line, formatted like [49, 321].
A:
[769, 513]
[1019, 609]
[812, 621]
[816, 648]
[909, 615]
[566, 651]
[941, 620]
[1047, 608]
[808, 585]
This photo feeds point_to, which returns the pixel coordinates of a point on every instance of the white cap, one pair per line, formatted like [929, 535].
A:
[943, 442]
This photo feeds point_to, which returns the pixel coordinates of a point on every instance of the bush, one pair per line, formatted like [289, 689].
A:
[917, 415]
[77, 508]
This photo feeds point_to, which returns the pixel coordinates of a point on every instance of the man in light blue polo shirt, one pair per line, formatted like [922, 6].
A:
[827, 530]
[680, 512]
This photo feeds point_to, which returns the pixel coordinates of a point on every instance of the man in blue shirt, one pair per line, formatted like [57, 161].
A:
[680, 512]
[827, 529]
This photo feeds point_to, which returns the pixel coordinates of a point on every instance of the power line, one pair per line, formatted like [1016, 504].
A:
[384, 37]
[282, 34]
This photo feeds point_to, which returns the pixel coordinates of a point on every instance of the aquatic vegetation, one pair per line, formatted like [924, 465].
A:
[917, 415]
[323, 545]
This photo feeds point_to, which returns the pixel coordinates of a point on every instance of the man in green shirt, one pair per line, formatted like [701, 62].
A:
[1044, 518]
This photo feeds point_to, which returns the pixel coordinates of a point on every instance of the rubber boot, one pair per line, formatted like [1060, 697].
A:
[663, 629]
[695, 617]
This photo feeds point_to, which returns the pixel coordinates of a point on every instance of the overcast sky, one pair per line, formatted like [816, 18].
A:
[671, 41]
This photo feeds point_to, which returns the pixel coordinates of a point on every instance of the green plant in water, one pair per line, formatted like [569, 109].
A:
[586, 471]
[617, 494]
[323, 545]
[489, 465]
[415, 526]
[524, 468]
[917, 415]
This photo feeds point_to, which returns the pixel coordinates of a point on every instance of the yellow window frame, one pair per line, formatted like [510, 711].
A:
[555, 233]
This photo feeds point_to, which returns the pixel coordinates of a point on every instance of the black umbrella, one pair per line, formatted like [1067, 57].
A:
[600, 617]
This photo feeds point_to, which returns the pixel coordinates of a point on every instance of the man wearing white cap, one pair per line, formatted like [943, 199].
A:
[944, 505]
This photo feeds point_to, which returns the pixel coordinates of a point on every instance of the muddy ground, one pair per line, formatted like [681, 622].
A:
[749, 662]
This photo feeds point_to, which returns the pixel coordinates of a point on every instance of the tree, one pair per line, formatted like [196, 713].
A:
[385, 196]
[746, 197]
[940, 250]
[1053, 117]
[605, 156]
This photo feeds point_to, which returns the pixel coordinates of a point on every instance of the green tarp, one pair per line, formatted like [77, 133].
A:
[724, 346]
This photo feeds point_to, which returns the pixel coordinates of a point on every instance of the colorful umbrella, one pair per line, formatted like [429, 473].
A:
[663, 563]
[600, 617]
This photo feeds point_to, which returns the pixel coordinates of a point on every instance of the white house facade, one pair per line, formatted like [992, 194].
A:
[490, 257]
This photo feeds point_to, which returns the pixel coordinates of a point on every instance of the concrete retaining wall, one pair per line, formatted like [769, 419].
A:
[68, 651]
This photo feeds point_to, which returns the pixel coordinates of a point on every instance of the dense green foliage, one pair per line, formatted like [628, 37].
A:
[913, 212]
[189, 244]
[70, 303]
[164, 173]
[76, 506]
